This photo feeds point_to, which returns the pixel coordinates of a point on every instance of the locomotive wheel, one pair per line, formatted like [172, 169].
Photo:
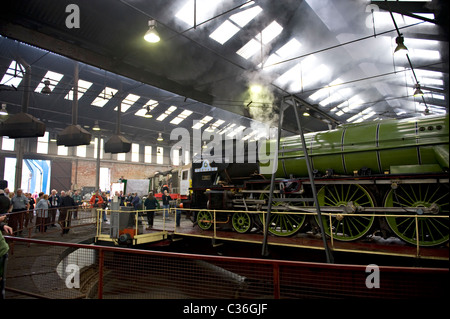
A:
[282, 224]
[430, 231]
[205, 219]
[242, 222]
[344, 227]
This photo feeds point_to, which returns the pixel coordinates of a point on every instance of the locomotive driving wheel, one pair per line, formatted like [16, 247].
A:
[345, 227]
[283, 223]
[428, 231]
[242, 222]
[205, 219]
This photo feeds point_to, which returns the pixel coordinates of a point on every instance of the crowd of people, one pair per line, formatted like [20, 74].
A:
[18, 209]
[23, 207]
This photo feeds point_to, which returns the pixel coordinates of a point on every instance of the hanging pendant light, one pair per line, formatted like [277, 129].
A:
[417, 92]
[96, 127]
[3, 110]
[160, 138]
[147, 114]
[400, 45]
[46, 89]
[152, 35]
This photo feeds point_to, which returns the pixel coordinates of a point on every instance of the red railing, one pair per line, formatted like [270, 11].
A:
[114, 272]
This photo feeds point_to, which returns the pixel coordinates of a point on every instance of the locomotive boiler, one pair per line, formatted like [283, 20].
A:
[387, 176]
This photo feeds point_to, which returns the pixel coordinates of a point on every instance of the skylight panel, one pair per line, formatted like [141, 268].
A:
[104, 97]
[224, 32]
[244, 17]
[432, 82]
[151, 104]
[326, 90]
[51, 76]
[254, 45]
[249, 49]
[212, 127]
[202, 122]
[166, 113]
[270, 32]
[13, 75]
[425, 54]
[236, 131]
[128, 102]
[181, 117]
[204, 10]
[227, 128]
[288, 50]
[83, 86]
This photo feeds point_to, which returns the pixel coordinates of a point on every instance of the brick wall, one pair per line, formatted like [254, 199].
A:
[84, 171]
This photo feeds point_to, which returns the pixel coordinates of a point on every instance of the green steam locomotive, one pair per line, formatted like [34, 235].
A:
[387, 176]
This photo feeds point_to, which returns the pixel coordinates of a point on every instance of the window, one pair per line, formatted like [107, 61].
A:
[95, 147]
[128, 102]
[176, 157]
[8, 144]
[121, 156]
[151, 104]
[237, 21]
[81, 151]
[159, 155]
[215, 125]
[254, 45]
[187, 158]
[42, 144]
[147, 154]
[104, 97]
[166, 113]
[63, 150]
[13, 75]
[83, 86]
[135, 152]
[52, 77]
[105, 179]
[202, 122]
[204, 11]
[181, 117]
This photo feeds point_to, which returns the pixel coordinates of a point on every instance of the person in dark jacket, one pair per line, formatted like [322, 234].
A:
[166, 202]
[64, 219]
[151, 203]
[5, 203]
[4, 248]
[55, 202]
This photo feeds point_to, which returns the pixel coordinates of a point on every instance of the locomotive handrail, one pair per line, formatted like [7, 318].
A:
[328, 211]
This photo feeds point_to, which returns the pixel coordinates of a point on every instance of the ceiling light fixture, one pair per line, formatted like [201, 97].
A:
[255, 88]
[417, 91]
[147, 114]
[204, 146]
[160, 138]
[152, 35]
[96, 127]
[400, 44]
[3, 110]
[46, 89]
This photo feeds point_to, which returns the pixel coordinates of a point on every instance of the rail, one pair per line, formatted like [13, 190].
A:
[50, 269]
[330, 214]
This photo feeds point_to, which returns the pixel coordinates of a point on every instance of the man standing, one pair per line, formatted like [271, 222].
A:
[78, 201]
[19, 205]
[166, 202]
[64, 219]
[4, 248]
[55, 202]
[5, 203]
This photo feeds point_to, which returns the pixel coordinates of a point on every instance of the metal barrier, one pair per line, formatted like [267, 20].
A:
[38, 222]
[48, 269]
